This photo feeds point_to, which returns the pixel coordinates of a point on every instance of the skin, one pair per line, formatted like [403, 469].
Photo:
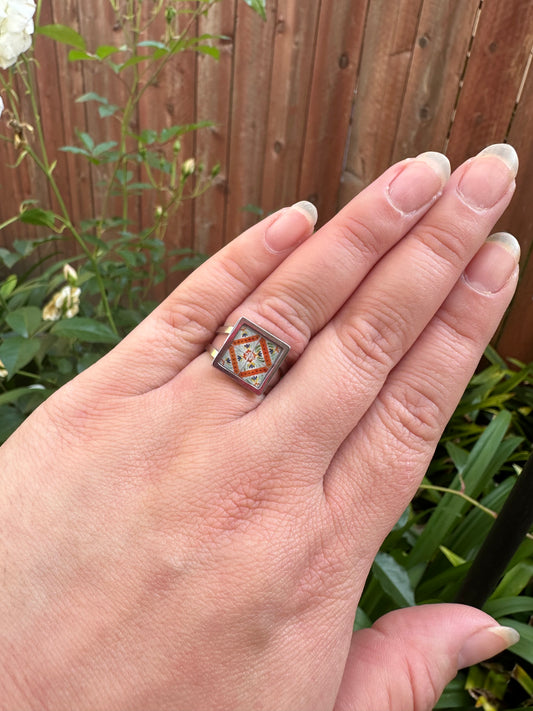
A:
[170, 540]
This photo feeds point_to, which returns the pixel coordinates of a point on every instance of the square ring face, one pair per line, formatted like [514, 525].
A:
[251, 355]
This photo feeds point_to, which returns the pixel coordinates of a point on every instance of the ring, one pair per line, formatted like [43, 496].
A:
[250, 354]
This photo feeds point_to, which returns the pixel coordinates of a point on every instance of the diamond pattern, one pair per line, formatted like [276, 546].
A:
[251, 355]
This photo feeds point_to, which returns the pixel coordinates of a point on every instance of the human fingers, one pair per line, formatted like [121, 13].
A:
[404, 661]
[301, 296]
[346, 365]
[243, 277]
[304, 293]
[181, 326]
[380, 464]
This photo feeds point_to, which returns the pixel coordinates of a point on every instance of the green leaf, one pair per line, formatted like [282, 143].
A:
[62, 33]
[483, 462]
[454, 696]
[132, 61]
[37, 216]
[8, 258]
[104, 147]
[24, 246]
[362, 620]
[91, 96]
[393, 580]
[84, 329]
[454, 559]
[75, 149]
[106, 50]
[148, 137]
[87, 141]
[207, 49]
[12, 396]
[17, 352]
[154, 44]
[10, 419]
[515, 580]
[24, 321]
[75, 55]
[523, 648]
[259, 6]
[508, 605]
[107, 110]
[7, 288]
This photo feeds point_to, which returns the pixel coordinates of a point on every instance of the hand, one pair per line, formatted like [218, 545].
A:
[170, 540]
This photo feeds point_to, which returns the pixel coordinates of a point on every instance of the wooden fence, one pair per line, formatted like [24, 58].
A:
[312, 104]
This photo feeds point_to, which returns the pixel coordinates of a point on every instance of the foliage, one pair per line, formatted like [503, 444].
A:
[58, 314]
[426, 556]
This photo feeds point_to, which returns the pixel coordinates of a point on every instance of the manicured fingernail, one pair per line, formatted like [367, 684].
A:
[420, 181]
[489, 176]
[292, 225]
[494, 264]
[485, 644]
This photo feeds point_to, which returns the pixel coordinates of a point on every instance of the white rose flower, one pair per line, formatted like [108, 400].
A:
[1, 105]
[16, 29]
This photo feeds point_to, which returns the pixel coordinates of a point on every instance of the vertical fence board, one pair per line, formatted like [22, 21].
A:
[336, 63]
[516, 336]
[387, 50]
[500, 50]
[294, 48]
[212, 144]
[250, 100]
[443, 38]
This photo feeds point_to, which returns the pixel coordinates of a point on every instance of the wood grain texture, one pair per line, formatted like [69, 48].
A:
[213, 144]
[493, 75]
[516, 335]
[438, 59]
[389, 39]
[252, 73]
[336, 64]
[290, 93]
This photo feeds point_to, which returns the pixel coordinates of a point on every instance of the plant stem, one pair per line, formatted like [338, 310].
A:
[46, 167]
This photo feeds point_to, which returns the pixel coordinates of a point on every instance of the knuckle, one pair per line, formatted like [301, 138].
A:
[357, 238]
[448, 242]
[372, 341]
[412, 416]
[458, 334]
[285, 315]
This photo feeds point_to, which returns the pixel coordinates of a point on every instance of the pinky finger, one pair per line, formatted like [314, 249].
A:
[421, 393]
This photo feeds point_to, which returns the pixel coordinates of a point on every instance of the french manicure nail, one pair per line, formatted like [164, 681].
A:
[489, 176]
[420, 181]
[289, 228]
[486, 643]
[494, 264]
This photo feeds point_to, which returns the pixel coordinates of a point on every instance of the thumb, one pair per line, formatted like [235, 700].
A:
[404, 661]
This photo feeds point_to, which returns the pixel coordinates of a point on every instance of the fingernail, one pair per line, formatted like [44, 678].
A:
[420, 181]
[494, 264]
[292, 225]
[489, 176]
[485, 644]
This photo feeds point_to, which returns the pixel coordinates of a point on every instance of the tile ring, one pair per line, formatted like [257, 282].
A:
[250, 354]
